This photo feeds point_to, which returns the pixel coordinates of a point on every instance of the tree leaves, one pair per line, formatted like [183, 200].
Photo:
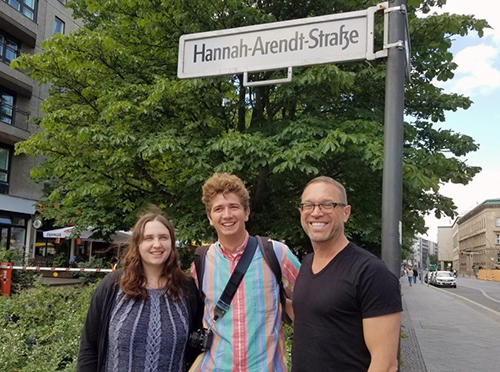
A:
[120, 131]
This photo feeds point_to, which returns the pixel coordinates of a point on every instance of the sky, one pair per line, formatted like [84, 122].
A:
[478, 77]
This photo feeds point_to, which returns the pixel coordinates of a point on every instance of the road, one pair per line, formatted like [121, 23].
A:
[479, 291]
[452, 329]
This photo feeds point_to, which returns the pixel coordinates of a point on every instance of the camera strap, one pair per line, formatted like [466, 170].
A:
[226, 297]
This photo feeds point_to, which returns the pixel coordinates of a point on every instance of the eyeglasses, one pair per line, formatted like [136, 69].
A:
[325, 207]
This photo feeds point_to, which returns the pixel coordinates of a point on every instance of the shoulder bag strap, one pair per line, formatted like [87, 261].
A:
[267, 249]
[199, 264]
[222, 305]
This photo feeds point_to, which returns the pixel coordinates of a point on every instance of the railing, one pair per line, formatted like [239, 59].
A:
[14, 116]
[8, 52]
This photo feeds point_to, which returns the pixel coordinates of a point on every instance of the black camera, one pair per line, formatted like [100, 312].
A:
[201, 339]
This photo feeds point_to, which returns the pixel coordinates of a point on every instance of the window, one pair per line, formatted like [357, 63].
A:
[4, 169]
[498, 239]
[26, 7]
[6, 107]
[12, 237]
[58, 26]
[497, 221]
[9, 48]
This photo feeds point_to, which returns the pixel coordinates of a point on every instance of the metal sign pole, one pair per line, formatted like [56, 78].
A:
[392, 189]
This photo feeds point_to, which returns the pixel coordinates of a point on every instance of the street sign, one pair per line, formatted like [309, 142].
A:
[303, 42]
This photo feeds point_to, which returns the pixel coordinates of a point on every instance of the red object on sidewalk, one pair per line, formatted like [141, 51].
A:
[5, 278]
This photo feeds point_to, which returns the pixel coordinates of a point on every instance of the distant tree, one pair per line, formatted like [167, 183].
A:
[433, 259]
[120, 130]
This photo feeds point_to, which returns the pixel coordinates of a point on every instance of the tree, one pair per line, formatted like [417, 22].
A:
[121, 131]
[433, 259]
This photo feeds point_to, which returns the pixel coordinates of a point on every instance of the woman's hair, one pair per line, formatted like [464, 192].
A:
[133, 281]
[223, 183]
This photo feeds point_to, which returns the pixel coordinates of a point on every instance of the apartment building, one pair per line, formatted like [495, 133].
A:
[422, 249]
[24, 24]
[479, 238]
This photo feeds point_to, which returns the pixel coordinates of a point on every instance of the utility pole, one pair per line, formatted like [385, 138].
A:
[392, 187]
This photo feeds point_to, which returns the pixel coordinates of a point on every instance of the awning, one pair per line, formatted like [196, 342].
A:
[65, 232]
[17, 205]
[120, 236]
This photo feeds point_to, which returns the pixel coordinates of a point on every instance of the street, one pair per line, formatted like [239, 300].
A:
[451, 329]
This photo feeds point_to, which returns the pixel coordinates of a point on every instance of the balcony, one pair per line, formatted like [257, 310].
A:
[17, 24]
[16, 80]
[13, 124]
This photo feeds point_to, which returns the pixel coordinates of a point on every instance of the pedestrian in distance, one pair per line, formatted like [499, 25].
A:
[140, 316]
[249, 336]
[415, 275]
[347, 304]
[409, 273]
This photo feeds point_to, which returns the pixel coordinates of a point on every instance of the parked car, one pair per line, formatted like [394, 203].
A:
[431, 277]
[445, 279]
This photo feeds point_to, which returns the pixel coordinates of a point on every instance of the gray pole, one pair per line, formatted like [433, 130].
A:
[392, 187]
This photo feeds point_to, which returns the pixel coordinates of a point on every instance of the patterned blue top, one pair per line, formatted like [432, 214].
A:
[148, 335]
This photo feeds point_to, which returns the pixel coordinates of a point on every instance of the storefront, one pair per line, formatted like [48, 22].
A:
[15, 223]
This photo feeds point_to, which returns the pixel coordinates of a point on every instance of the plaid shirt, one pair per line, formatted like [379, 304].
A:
[249, 337]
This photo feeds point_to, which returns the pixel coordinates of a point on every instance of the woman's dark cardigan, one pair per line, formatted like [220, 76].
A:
[94, 338]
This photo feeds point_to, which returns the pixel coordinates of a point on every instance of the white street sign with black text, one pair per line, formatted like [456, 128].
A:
[271, 46]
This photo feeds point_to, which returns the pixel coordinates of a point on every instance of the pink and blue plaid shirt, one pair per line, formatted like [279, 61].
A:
[249, 337]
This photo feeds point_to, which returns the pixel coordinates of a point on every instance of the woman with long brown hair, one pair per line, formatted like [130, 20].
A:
[140, 317]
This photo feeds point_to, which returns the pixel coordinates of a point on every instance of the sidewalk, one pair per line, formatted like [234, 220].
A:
[446, 333]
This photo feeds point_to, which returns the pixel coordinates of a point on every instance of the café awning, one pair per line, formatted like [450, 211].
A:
[120, 236]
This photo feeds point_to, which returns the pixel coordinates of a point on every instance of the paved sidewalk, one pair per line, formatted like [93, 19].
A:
[446, 333]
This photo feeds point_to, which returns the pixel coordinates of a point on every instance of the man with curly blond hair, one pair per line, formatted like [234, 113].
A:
[249, 337]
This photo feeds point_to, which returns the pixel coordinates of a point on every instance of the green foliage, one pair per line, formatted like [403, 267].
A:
[121, 131]
[20, 279]
[40, 328]
[60, 260]
[433, 259]
[87, 277]
[288, 344]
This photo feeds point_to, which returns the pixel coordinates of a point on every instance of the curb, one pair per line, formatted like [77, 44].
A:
[411, 356]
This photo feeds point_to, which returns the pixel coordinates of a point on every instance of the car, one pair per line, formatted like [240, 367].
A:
[445, 279]
[430, 278]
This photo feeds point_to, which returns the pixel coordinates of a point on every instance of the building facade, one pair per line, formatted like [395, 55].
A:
[24, 24]
[446, 253]
[422, 249]
[479, 238]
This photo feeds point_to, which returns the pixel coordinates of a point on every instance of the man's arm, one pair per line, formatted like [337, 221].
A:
[289, 310]
[381, 335]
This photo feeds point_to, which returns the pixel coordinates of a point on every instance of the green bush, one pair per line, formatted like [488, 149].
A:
[21, 279]
[93, 263]
[40, 328]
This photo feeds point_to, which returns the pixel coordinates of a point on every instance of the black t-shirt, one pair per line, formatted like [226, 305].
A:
[329, 308]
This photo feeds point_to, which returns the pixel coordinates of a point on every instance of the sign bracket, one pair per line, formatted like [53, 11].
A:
[247, 83]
